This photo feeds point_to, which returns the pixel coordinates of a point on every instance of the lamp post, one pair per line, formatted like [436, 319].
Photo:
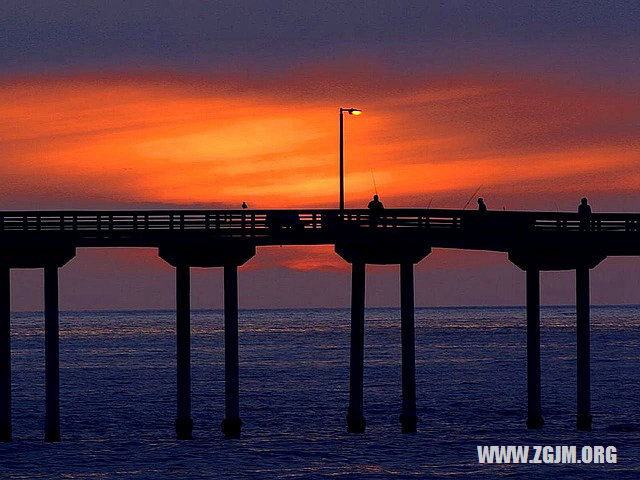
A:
[350, 111]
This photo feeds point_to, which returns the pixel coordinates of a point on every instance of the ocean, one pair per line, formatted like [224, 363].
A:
[118, 395]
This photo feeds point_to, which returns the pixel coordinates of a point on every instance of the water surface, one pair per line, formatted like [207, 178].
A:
[118, 395]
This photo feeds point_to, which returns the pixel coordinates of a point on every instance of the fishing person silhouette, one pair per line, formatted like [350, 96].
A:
[375, 208]
[244, 205]
[482, 207]
[584, 211]
[376, 205]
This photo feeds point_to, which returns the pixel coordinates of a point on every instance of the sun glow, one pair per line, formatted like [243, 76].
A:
[89, 140]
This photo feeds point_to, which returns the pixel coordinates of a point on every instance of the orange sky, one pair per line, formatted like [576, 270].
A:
[114, 140]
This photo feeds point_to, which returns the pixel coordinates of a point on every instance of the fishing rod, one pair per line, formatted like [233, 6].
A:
[471, 198]
[375, 187]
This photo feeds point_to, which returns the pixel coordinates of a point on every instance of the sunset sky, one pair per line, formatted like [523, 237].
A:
[140, 104]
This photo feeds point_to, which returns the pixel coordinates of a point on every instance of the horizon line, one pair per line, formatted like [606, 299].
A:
[221, 309]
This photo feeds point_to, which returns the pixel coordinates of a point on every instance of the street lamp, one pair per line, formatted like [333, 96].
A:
[350, 111]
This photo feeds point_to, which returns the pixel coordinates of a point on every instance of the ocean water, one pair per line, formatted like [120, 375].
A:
[118, 395]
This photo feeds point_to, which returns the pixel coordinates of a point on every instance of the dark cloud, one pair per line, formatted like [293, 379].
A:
[94, 34]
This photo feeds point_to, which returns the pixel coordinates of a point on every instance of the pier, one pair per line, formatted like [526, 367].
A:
[227, 239]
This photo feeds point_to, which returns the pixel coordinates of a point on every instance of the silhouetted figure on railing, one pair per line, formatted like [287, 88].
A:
[375, 211]
[244, 205]
[473, 221]
[376, 205]
[584, 210]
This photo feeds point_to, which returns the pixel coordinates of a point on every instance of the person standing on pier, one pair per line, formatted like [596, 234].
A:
[584, 211]
[482, 207]
[375, 208]
[376, 205]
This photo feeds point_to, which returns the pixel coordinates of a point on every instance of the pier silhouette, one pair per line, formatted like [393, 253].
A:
[534, 241]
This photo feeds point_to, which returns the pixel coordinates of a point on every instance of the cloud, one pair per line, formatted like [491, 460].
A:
[119, 33]
[176, 139]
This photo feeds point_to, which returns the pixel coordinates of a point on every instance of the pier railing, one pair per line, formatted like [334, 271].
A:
[252, 223]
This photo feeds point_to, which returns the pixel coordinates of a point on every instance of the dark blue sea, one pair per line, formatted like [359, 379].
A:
[118, 396]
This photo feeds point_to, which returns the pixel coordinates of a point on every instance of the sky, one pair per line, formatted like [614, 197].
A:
[187, 104]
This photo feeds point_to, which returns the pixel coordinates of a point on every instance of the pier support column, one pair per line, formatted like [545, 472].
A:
[5, 354]
[228, 255]
[356, 422]
[583, 349]
[52, 355]
[534, 414]
[408, 418]
[231, 424]
[183, 423]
